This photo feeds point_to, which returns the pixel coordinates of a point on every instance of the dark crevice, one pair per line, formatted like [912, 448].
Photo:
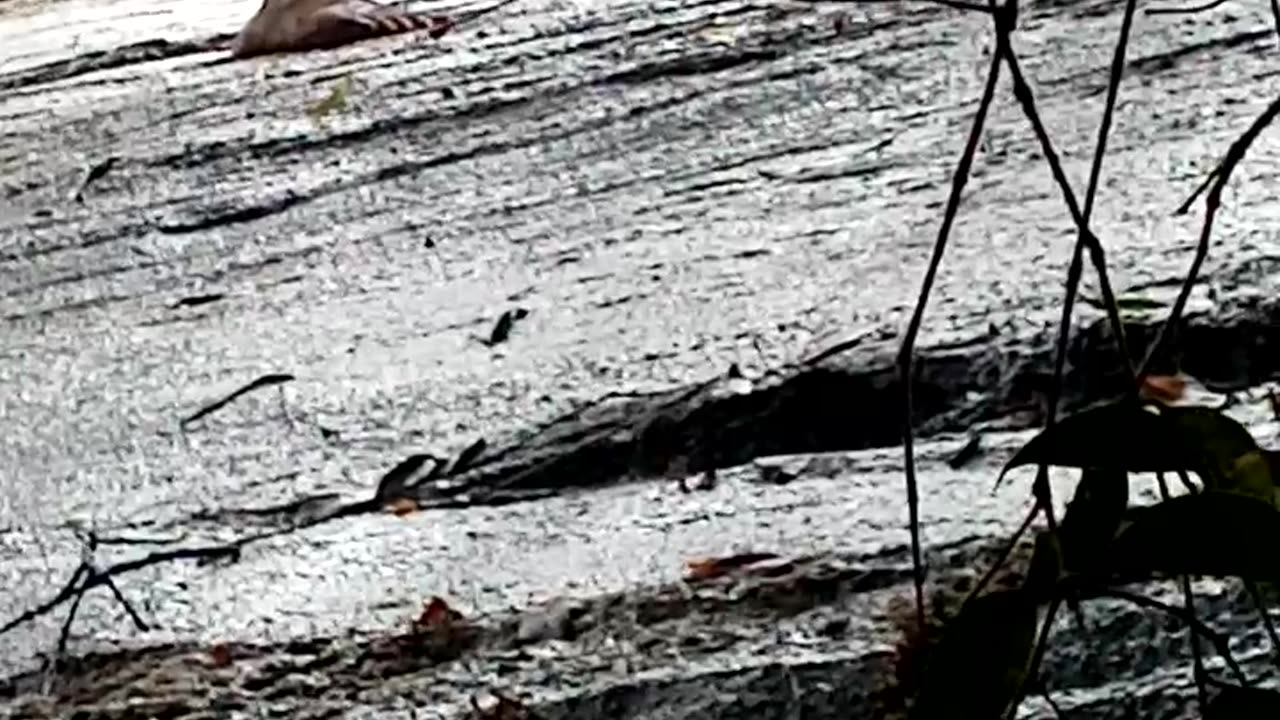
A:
[851, 401]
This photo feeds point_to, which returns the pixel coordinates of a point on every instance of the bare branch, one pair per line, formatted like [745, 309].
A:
[1221, 175]
[1186, 10]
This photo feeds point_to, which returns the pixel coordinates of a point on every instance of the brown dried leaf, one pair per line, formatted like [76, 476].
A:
[440, 24]
[713, 567]
[220, 655]
[1164, 388]
[436, 613]
[439, 632]
[402, 506]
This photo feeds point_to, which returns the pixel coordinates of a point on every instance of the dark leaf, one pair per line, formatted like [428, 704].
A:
[1222, 451]
[1241, 703]
[1122, 435]
[966, 453]
[97, 172]
[394, 482]
[1220, 534]
[980, 660]
[1119, 435]
[1093, 516]
[198, 300]
[468, 456]
[264, 381]
[502, 329]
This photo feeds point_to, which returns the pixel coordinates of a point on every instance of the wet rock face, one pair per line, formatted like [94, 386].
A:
[658, 192]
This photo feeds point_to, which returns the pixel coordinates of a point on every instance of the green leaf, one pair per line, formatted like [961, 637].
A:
[1123, 435]
[981, 659]
[1220, 534]
[335, 101]
[1118, 435]
[1222, 451]
[1093, 517]
[1241, 703]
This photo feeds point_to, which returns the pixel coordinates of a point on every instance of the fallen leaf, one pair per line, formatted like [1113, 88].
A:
[220, 655]
[397, 478]
[436, 612]
[712, 567]
[402, 506]
[439, 632]
[1165, 388]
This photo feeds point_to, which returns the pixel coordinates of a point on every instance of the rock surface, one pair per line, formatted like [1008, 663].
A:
[665, 190]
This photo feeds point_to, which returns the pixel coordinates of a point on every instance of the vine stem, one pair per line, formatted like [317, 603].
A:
[906, 355]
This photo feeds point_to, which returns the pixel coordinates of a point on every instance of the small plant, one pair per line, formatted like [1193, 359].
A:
[986, 659]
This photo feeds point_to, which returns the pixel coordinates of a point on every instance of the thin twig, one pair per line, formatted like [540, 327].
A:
[1197, 662]
[1188, 600]
[1186, 482]
[1275, 15]
[907, 351]
[94, 579]
[1043, 690]
[1186, 10]
[261, 382]
[1095, 174]
[1041, 487]
[1005, 552]
[1212, 202]
[1037, 657]
[65, 635]
[1022, 91]
[1203, 187]
[133, 614]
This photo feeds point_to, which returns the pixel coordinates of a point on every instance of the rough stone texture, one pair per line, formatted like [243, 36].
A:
[669, 189]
